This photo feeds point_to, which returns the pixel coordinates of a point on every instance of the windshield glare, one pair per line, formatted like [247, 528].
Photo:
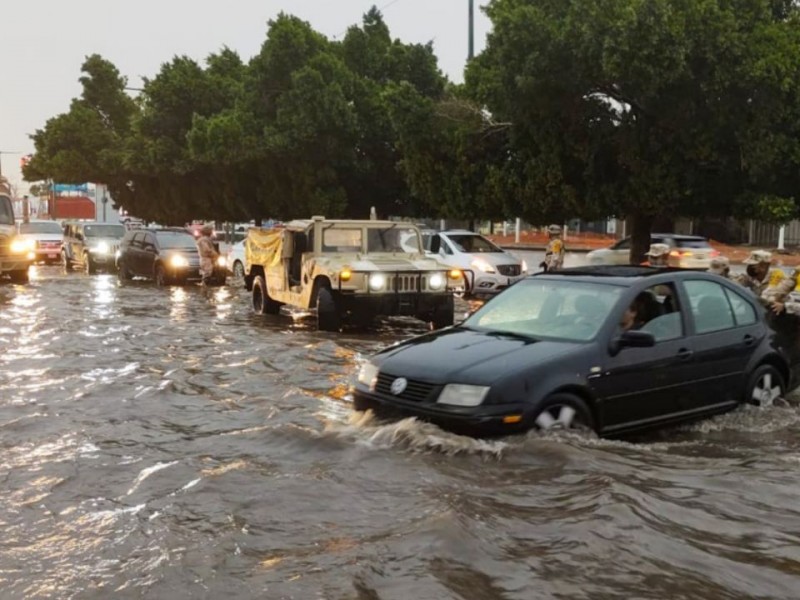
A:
[542, 308]
[105, 231]
[49, 227]
[473, 243]
[175, 240]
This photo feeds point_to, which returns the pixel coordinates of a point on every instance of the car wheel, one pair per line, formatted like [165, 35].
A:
[19, 276]
[161, 276]
[88, 266]
[764, 386]
[122, 272]
[66, 262]
[262, 303]
[328, 317]
[238, 270]
[564, 411]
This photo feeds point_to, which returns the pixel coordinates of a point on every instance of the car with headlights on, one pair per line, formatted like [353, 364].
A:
[686, 251]
[16, 253]
[46, 237]
[487, 268]
[91, 246]
[166, 255]
[562, 350]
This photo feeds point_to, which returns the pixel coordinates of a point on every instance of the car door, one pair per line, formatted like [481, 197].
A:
[133, 257]
[149, 254]
[726, 332]
[620, 252]
[639, 386]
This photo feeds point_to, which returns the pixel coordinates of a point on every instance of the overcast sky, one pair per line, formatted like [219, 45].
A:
[46, 41]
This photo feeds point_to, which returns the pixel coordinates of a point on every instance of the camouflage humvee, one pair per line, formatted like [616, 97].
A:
[350, 271]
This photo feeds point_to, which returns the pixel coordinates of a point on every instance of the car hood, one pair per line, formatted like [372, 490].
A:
[395, 262]
[466, 356]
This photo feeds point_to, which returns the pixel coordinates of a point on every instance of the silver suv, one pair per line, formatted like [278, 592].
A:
[91, 246]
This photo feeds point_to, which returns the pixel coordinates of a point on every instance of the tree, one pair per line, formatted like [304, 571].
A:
[643, 108]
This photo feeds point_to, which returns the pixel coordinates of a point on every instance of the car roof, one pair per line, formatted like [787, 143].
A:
[624, 275]
[679, 236]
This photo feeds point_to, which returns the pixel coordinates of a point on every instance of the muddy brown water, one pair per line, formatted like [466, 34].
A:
[169, 444]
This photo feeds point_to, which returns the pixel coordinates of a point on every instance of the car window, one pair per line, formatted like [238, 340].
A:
[136, 242]
[711, 309]
[743, 311]
[392, 239]
[341, 240]
[47, 227]
[543, 308]
[106, 231]
[657, 311]
[6, 211]
[174, 240]
[472, 243]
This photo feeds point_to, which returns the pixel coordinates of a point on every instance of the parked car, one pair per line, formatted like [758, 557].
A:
[488, 269]
[236, 259]
[167, 256]
[16, 253]
[91, 246]
[551, 351]
[687, 251]
[45, 236]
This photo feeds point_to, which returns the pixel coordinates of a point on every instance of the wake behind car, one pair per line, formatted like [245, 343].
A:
[488, 269]
[91, 246]
[46, 237]
[686, 251]
[165, 255]
[562, 349]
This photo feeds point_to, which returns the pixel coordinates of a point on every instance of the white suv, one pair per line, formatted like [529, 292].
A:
[488, 268]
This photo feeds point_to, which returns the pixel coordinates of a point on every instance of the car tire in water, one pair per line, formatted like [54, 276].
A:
[328, 316]
[764, 386]
[262, 303]
[238, 270]
[19, 276]
[563, 411]
[123, 273]
[161, 276]
[88, 265]
[66, 262]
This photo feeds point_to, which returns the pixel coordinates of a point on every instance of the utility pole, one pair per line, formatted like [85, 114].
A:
[471, 52]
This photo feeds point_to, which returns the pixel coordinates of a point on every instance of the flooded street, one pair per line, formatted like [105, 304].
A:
[167, 443]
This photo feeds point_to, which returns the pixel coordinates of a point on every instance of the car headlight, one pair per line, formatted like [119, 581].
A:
[176, 260]
[368, 375]
[222, 261]
[436, 281]
[377, 281]
[21, 246]
[482, 265]
[101, 248]
[459, 394]
[524, 267]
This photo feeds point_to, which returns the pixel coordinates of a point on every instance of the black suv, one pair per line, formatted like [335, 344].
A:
[167, 256]
[90, 246]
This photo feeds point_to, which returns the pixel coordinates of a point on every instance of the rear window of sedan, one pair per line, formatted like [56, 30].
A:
[546, 309]
[176, 240]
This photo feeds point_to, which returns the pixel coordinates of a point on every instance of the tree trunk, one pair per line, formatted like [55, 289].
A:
[640, 237]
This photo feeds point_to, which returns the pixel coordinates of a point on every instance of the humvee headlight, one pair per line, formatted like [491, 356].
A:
[176, 260]
[377, 281]
[21, 245]
[345, 275]
[436, 281]
[101, 248]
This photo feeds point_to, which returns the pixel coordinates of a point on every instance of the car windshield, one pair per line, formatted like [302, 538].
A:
[341, 240]
[47, 227]
[6, 211]
[393, 239]
[550, 309]
[104, 231]
[176, 240]
[472, 243]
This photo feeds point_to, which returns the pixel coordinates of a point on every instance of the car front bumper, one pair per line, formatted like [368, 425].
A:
[488, 420]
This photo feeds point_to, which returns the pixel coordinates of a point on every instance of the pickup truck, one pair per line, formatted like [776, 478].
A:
[348, 272]
[16, 253]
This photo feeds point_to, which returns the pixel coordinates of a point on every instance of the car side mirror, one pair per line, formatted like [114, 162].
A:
[632, 339]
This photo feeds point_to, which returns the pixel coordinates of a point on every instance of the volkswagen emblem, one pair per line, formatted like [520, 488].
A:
[398, 386]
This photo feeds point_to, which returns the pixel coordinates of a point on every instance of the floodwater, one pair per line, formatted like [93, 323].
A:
[166, 443]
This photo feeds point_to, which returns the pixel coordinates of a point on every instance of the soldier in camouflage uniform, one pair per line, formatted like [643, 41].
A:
[208, 253]
[657, 256]
[778, 296]
[554, 253]
[720, 266]
[757, 277]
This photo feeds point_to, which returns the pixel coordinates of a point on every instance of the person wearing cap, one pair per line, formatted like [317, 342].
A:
[208, 253]
[657, 256]
[554, 253]
[757, 275]
[720, 266]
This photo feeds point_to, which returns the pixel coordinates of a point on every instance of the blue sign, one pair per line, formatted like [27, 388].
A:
[60, 188]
